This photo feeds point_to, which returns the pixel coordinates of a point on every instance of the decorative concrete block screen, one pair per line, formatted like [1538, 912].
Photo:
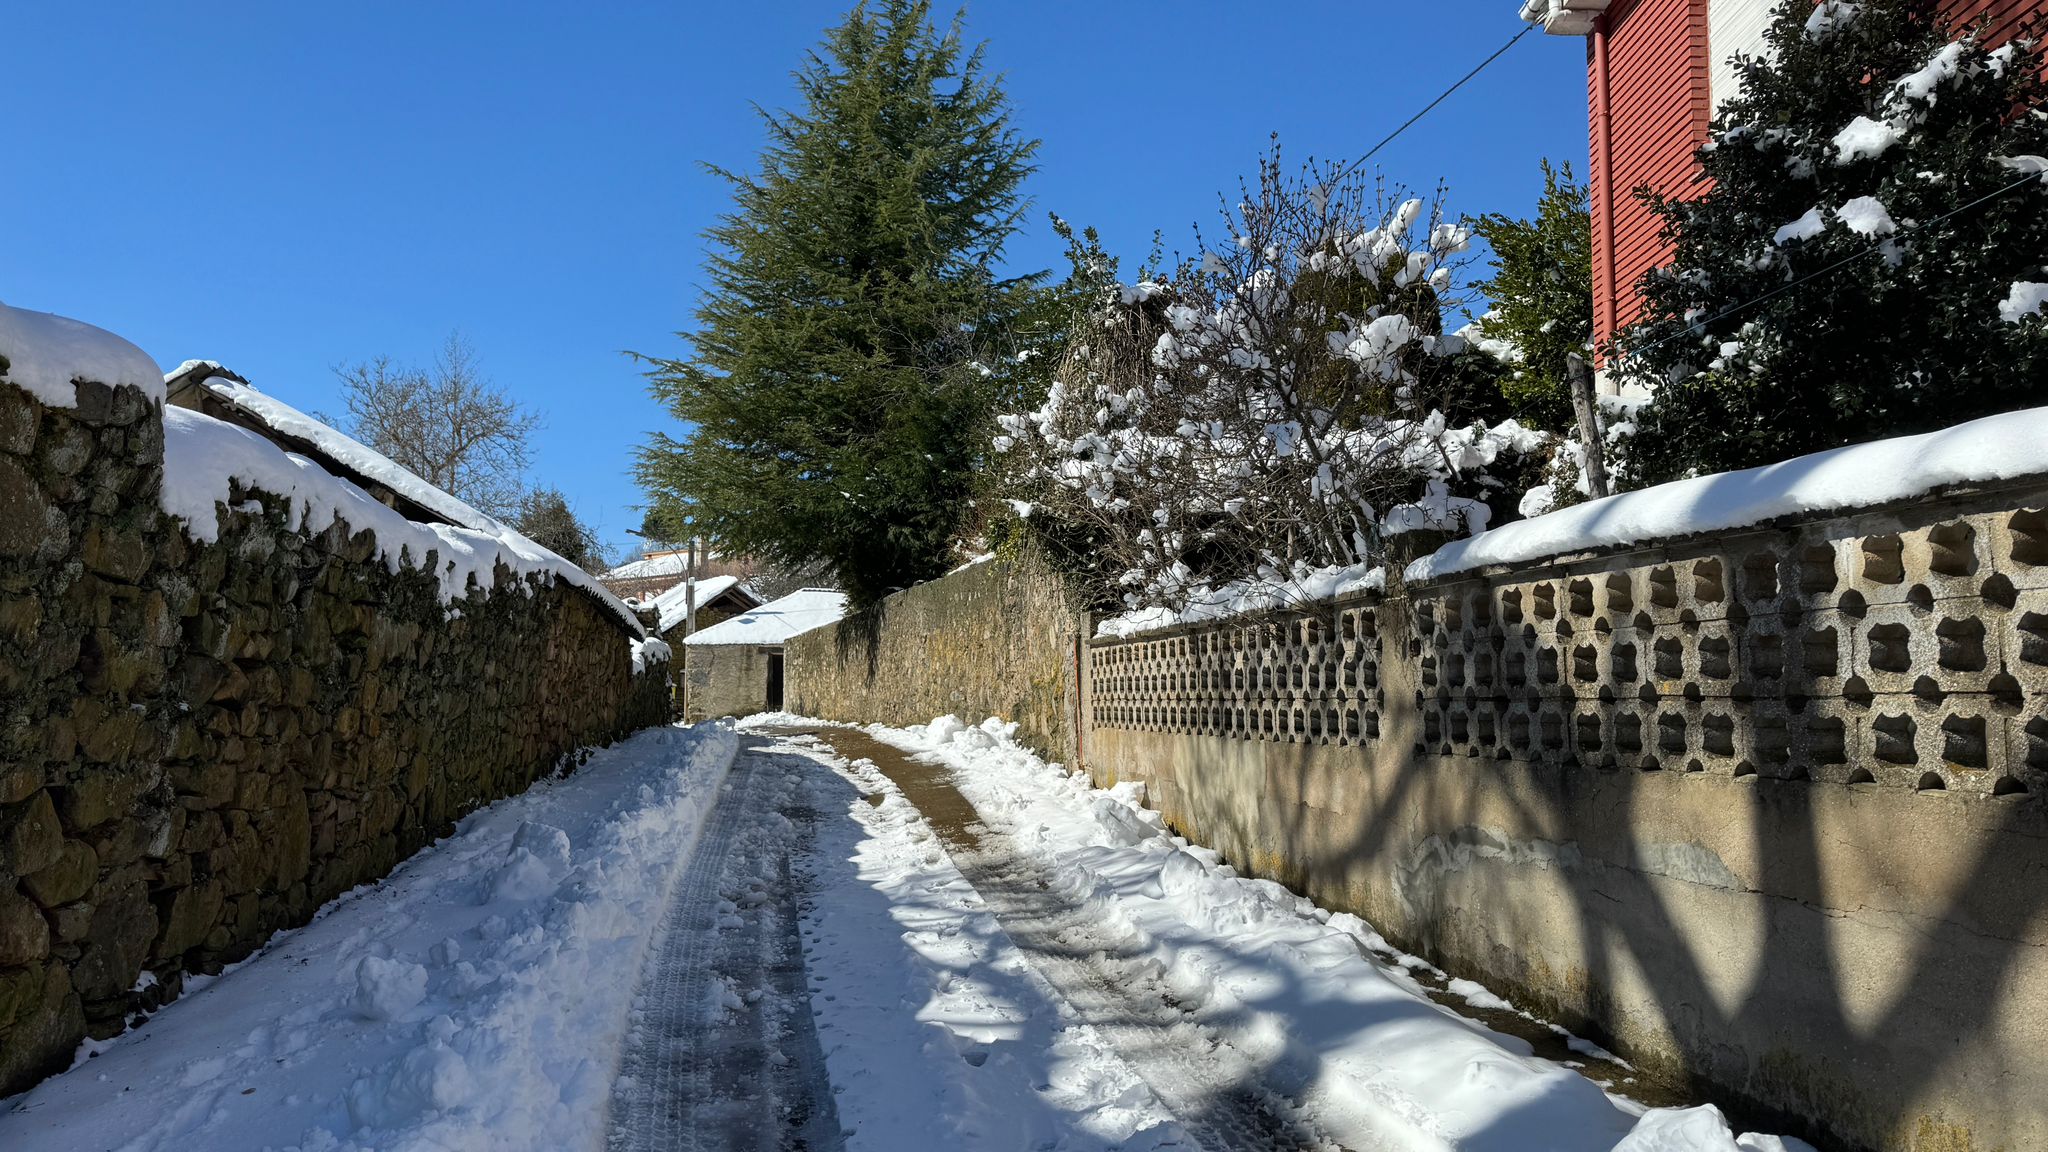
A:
[1763, 810]
[1311, 678]
[1914, 658]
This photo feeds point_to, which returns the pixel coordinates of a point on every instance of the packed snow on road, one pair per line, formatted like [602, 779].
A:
[794, 934]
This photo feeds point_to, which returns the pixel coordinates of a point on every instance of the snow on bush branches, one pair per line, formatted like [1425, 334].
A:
[1278, 405]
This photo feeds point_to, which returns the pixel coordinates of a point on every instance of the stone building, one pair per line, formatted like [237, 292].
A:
[735, 668]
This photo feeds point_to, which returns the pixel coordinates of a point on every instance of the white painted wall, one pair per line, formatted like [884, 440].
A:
[1733, 26]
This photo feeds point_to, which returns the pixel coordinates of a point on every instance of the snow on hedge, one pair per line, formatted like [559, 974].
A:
[475, 998]
[45, 353]
[2003, 447]
[202, 456]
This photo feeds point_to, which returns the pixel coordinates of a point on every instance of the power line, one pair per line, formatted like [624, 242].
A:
[1445, 95]
[1690, 330]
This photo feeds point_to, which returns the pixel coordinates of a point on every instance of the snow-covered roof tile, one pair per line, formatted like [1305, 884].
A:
[777, 620]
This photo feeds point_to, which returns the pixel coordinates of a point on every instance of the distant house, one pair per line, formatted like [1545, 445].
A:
[661, 570]
[1655, 71]
[735, 668]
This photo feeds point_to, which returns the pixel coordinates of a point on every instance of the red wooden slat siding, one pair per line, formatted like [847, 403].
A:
[1659, 96]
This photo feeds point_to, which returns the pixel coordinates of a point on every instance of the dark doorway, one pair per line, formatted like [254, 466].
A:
[775, 681]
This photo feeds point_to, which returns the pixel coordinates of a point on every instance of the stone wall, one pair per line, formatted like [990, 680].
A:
[724, 680]
[201, 744]
[998, 638]
[1763, 811]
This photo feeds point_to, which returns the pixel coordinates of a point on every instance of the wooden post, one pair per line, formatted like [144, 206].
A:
[1587, 409]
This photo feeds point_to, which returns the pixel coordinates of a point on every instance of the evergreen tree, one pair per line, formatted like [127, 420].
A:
[855, 333]
[1855, 138]
[1542, 294]
[544, 517]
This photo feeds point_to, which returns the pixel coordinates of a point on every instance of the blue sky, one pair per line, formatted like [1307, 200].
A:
[285, 188]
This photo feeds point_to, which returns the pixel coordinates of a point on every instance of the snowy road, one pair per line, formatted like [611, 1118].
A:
[870, 939]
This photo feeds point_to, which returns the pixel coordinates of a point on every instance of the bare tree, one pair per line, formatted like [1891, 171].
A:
[446, 423]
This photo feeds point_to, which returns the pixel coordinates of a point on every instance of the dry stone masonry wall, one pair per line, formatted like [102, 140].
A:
[202, 743]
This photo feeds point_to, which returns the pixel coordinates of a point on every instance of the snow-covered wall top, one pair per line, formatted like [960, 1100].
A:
[203, 455]
[1997, 448]
[46, 354]
[345, 450]
[777, 620]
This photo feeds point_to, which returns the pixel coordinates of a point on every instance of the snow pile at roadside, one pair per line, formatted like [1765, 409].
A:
[202, 455]
[1379, 1064]
[1242, 597]
[937, 1032]
[45, 353]
[2003, 447]
[476, 998]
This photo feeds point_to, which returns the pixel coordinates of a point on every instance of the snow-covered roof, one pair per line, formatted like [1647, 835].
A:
[202, 455]
[777, 620]
[675, 562]
[674, 603]
[2009, 446]
[46, 353]
[343, 450]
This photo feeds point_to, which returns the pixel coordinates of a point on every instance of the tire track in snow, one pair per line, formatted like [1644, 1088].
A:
[1219, 1094]
[724, 1054]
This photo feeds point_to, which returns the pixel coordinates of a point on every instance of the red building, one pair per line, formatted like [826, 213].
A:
[1655, 71]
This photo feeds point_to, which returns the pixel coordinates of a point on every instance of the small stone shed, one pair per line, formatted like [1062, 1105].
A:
[718, 599]
[734, 668]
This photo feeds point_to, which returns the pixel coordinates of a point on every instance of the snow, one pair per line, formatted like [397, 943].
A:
[343, 449]
[203, 455]
[1255, 595]
[674, 604]
[2027, 298]
[1829, 16]
[1995, 448]
[475, 998]
[777, 620]
[1805, 228]
[674, 563]
[1318, 996]
[650, 650]
[1863, 139]
[1866, 216]
[45, 353]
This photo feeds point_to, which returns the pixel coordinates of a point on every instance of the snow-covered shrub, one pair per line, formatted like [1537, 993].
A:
[1281, 403]
[1872, 137]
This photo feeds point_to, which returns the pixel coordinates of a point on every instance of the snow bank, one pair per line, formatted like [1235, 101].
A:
[1376, 1063]
[2003, 447]
[45, 353]
[937, 1032]
[476, 998]
[1241, 597]
[202, 455]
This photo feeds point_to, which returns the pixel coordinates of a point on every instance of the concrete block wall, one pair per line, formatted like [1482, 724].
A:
[202, 743]
[1764, 811]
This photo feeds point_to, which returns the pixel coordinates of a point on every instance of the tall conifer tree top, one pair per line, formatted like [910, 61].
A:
[846, 351]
